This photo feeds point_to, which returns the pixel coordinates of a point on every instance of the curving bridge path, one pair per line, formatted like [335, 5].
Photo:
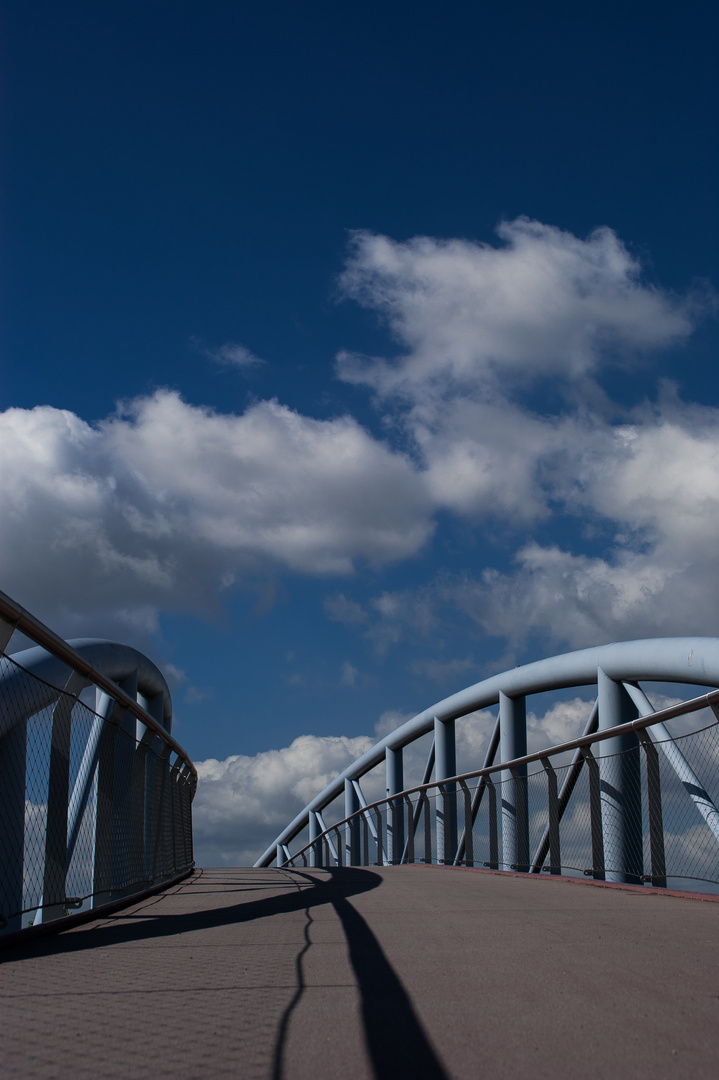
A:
[406, 971]
[339, 961]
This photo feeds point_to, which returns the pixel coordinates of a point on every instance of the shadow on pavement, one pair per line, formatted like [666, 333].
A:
[394, 1036]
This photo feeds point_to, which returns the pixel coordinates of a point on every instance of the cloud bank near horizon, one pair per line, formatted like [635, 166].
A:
[243, 802]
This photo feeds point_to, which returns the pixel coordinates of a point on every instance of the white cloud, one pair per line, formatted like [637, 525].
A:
[656, 483]
[389, 721]
[234, 355]
[166, 503]
[545, 304]
[490, 459]
[242, 803]
[479, 326]
[563, 721]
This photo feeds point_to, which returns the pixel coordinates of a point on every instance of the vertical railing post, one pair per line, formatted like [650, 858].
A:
[315, 829]
[445, 765]
[352, 828]
[138, 811]
[111, 716]
[187, 815]
[493, 825]
[595, 814]
[82, 788]
[58, 797]
[365, 839]
[620, 784]
[515, 818]
[155, 706]
[427, 828]
[381, 860]
[489, 757]
[654, 811]
[395, 818]
[468, 832]
[13, 754]
[160, 862]
[555, 857]
[409, 846]
[124, 751]
[178, 845]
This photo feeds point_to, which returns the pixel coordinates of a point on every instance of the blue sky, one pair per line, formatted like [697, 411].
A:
[352, 352]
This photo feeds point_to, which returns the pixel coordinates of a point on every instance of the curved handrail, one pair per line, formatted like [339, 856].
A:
[79, 656]
[693, 660]
[96, 801]
[710, 700]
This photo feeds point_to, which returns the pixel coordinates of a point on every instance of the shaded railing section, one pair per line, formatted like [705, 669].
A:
[95, 794]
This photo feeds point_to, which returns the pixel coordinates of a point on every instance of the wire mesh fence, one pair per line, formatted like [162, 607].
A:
[645, 815]
[94, 806]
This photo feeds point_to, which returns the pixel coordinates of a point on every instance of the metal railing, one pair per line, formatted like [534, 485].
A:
[95, 794]
[630, 791]
[560, 818]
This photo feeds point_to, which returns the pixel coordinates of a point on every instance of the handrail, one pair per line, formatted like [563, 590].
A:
[28, 624]
[710, 700]
[106, 791]
[692, 660]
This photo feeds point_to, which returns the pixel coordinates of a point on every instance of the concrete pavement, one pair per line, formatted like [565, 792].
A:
[381, 972]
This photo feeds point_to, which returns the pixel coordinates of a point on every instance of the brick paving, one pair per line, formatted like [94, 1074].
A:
[395, 972]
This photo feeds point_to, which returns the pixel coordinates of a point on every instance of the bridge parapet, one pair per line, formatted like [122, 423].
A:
[627, 801]
[97, 796]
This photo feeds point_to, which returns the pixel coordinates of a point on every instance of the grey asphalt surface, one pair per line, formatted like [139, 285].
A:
[394, 972]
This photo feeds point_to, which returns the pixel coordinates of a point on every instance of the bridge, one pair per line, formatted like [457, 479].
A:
[551, 909]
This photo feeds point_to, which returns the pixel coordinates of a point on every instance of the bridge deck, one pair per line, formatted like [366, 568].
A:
[383, 972]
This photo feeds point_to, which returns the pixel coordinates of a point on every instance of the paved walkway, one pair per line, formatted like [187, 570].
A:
[399, 972]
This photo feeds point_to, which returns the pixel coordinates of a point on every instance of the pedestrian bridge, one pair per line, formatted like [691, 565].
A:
[412, 934]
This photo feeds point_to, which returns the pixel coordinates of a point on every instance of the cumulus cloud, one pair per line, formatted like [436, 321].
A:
[479, 327]
[562, 721]
[165, 503]
[242, 803]
[547, 304]
[655, 483]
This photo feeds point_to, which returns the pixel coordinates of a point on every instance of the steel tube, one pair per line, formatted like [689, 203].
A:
[620, 785]
[515, 821]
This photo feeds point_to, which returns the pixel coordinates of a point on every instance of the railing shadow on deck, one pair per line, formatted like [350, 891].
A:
[395, 1038]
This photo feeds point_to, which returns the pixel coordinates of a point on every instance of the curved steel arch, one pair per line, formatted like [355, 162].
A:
[111, 659]
[692, 660]
[110, 780]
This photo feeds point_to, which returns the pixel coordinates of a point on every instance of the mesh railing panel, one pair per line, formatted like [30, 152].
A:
[647, 814]
[90, 810]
